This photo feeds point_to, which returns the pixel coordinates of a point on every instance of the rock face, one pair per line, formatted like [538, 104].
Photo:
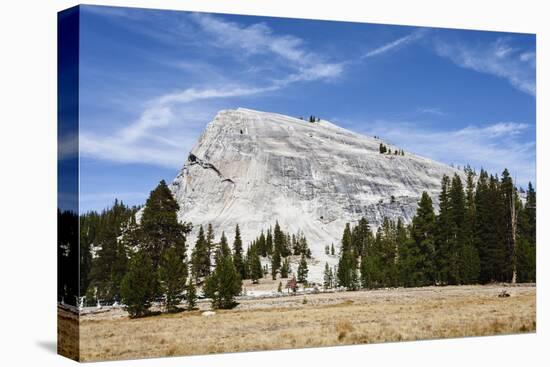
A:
[252, 168]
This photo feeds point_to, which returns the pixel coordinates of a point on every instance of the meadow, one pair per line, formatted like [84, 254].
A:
[311, 320]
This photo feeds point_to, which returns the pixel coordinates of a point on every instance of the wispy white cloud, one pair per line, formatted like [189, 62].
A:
[169, 124]
[431, 111]
[165, 130]
[492, 146]
[260, 39]
[499, 58]
[400, 42]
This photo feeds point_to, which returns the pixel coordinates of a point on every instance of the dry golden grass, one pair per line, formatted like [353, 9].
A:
[67, 334]
[326, 319]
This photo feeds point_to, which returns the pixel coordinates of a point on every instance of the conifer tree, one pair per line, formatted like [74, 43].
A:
[269, 242]
[114, 227]
[223, 248]
[443, 233]
[191, 296]
[200, 257]
[210, 241]
[346, 239]
[510, 203]
[327, 277]
[225, 283]
[423, 235]
[160, 225]
[302, 270]
[262, 247]
[172, 276]
[347, 270]
[275, 263]
[497, 243]
[526, 247]
[238, 253]
[285, 268]
[255, 265]
[138, 285]
[332, 252]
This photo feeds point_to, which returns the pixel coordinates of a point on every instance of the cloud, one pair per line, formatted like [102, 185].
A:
[165, 130]
[492, 146]
[170, 123]
[400, 42]
[431, 111]
[260, 39]
[498, 58]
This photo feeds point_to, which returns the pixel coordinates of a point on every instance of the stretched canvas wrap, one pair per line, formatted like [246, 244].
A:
[235, 183]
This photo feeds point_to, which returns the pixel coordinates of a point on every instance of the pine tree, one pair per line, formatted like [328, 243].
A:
[269, 242]
[509, 197]
[497, 243]
[443, 234]
[347, 270]
[160, 225]
[200, 257]
[191, 295]
[138, 285]
[275, 263]
[223, 248]
[526, 247]
[285, 268]
[115, 234]
[302, 270]
[346, 239]
[332, 252]
[238, 253]
[470, 254]
[410, 265]
[423, 235]
[262, 247]
[225, 283]
[172, 276]
[255, 265]
[210, 242]
[279, 241]
[327, 277]
[457, 216]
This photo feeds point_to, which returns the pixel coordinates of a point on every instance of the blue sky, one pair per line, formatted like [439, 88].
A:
[151, 80]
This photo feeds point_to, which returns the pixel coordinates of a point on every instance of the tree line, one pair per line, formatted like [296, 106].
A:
[140, 263]
[483, 233]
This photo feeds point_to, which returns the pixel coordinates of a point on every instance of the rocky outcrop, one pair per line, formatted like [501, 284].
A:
[253, 168]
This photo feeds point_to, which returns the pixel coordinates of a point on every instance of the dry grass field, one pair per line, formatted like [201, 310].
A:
[313, 320]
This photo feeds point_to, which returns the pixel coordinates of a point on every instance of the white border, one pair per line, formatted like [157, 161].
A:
[28, 183]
